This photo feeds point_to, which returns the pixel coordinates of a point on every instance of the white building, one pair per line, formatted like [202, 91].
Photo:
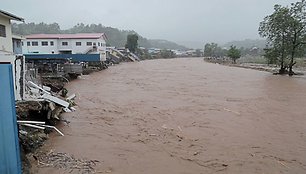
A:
[82, 43]
[7, 55]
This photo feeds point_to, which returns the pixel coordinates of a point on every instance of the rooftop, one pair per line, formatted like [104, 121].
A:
[11, 16]
[67, 36]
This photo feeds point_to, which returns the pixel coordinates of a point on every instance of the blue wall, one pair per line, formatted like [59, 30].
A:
[9, 145]
[75, 57]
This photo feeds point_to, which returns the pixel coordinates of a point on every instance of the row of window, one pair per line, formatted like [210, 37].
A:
[46, 43]
[35, 43]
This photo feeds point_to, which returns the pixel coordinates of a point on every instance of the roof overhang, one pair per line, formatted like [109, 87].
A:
[11, 16]
[17, 37]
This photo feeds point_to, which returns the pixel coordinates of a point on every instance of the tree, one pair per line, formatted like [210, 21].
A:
[234, 53]
[167, 54]
[297, 34]
[209, 49]
[285, 32]
[213, 50]
[198, 53]
[132, 42]
[271, 55]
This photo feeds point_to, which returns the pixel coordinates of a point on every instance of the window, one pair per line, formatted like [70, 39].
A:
[44, 43]
[34, 43]
[2, 31]
[64, 43]
[22, 43]
[51, 43]
[98, 43]
[95, 44]
[28, 43]
[18, 44]
[78, 43]
[89, 43]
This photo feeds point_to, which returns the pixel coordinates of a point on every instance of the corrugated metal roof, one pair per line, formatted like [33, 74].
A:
[11, 16]
[67, 36]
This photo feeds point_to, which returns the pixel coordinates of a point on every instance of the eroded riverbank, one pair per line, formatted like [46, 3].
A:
[186, 116]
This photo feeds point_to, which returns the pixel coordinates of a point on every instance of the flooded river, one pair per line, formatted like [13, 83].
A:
[186, 116]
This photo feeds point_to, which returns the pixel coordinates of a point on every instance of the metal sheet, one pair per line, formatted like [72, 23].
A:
[74, 57]
[9, 146]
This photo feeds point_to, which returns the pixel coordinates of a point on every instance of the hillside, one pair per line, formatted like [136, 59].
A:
[164, 44]
[115, 36]
[247, 43]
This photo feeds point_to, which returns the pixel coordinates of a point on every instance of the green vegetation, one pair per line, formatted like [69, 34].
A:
[247, 43]
[115, 36]
[167, 54]
[213, 50]
[132, 42]
[285, 31]
[234, 53]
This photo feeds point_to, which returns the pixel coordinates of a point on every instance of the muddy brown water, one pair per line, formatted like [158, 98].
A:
[186, 116]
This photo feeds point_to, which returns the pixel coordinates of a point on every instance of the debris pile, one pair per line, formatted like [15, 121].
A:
[42, 107]
[67, 162]
[38, 114]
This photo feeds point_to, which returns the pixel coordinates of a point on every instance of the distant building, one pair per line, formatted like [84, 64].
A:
[69, 44]
[10, 47]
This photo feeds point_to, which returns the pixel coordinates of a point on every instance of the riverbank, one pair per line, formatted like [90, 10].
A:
[300, 70]
[184, 116]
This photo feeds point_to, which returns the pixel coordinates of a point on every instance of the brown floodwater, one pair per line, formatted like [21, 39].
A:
[186, 116]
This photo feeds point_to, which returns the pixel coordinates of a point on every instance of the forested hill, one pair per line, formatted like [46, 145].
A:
[115, 36]
[247, 43]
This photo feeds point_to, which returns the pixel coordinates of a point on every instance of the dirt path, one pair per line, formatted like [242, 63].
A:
[186, 116]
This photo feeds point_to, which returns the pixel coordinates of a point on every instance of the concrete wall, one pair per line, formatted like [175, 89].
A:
[18, 73]
[6, 43]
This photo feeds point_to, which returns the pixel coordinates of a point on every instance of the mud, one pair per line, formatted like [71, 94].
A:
[186, 116]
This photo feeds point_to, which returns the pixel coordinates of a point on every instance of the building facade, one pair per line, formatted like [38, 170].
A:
[83, 43]
[9, 53]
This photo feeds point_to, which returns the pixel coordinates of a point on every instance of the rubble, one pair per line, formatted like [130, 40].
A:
[37, 116]
[45, 98]
[67, 162]
[37, 125]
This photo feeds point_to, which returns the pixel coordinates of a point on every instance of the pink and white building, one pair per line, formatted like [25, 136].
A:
[82, 43]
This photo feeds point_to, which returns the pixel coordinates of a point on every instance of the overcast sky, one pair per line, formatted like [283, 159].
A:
[183, 21]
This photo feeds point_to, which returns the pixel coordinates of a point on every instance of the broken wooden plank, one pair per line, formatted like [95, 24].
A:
[30, 122]
[33, 126]
[55, 100]
[38, 87]
[53, 127]
[71, 97]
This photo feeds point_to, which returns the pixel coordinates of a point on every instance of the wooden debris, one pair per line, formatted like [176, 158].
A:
[39, 125]
[55, 100]
[53, 127]
[33, 126]
[228, 110]
[71, 97]
[38, 87]
[67, 162]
